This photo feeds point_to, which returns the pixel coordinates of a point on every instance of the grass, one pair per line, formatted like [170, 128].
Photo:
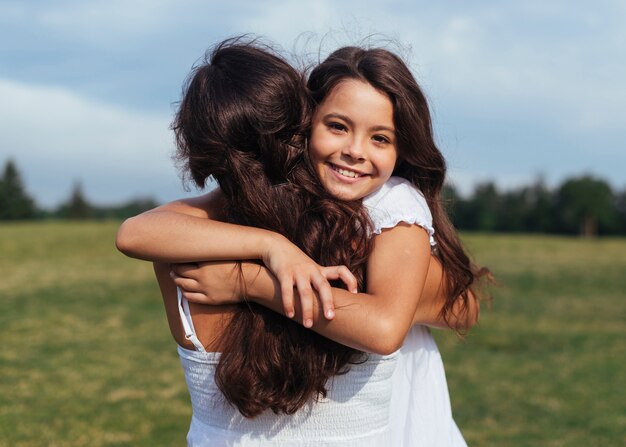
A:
[546, 365]
[87, 359]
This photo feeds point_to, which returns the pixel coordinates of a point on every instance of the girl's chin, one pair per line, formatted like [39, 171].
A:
[344, 192]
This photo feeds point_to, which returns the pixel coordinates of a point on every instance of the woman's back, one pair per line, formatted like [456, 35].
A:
[355, 411]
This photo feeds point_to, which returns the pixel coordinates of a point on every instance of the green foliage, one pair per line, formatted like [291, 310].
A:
[77, 207]
[583, 205]
[125, 210]
[15, 203]
[87, 358]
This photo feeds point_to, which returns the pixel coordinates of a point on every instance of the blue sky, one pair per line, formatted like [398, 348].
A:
[518, 89]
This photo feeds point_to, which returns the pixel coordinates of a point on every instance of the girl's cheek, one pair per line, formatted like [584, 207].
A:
[316, 147]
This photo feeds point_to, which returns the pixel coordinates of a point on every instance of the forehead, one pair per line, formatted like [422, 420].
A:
[358, 98]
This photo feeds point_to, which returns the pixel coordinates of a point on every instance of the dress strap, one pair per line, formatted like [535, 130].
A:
[185, 318]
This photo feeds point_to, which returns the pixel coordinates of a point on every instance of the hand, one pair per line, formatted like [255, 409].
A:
[293, 268]
[212, 283]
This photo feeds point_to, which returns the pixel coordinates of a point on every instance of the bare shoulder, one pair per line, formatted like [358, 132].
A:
[211, 205]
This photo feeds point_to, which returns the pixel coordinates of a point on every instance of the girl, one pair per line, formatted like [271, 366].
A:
[371, 121]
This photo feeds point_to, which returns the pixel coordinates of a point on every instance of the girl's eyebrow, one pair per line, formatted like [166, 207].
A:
[350, 122]
[388, 129]
[340, 116]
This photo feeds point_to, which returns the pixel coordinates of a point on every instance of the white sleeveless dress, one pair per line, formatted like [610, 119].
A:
[420, 404]
[355, 412]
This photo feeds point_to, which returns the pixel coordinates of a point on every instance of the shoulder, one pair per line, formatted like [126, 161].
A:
[398, 200]
[211, 205]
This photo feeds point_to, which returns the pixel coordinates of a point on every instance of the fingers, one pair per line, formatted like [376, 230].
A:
[196, 297]
[325, 295]
[286, 291]
[184, 269]
[190, 289]
[306, 301]
[187, 284]
[344, 274]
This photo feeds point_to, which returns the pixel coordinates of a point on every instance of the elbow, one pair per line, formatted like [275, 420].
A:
[386, 349]
[474, 314]
[469, 313]
[473, 310]
[389, 338]
[125, 240]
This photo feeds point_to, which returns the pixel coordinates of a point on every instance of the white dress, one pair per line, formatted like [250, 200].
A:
[420, 404]
[355, 412]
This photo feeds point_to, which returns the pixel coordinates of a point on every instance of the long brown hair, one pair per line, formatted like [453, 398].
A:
[241, 121]
[419, 159]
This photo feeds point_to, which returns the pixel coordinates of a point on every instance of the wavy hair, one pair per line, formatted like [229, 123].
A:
[419, 159]
[241, 120]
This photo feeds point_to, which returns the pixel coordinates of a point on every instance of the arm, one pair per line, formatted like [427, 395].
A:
[260, 282]
[189, 231]
[463, 315]
[405, 287]
[400, 293]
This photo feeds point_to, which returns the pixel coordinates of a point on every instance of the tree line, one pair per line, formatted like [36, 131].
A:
[583, 205]
[17, 204]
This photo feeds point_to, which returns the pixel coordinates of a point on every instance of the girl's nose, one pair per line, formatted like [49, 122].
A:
[354, 149]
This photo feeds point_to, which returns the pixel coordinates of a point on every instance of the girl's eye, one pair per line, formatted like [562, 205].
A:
[336, 126]
[381, 139]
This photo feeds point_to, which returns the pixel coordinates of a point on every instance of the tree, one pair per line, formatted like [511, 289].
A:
[483, 207]
[77, 207]
[584, 204]
[15, 203]
[541, 213]
[620, 206]
[450, 200]
[125, 210]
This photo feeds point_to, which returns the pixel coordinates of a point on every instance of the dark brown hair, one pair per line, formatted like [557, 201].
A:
[241, 121]
[419, 159]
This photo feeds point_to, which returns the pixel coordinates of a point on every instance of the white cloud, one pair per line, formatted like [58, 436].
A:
[59, 137]
[97, 23]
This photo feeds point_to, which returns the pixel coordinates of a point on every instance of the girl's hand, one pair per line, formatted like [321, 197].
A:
[219, 282]
[211, 283]
[293, 268]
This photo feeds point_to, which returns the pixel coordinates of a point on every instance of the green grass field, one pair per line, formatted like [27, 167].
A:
[87, 360]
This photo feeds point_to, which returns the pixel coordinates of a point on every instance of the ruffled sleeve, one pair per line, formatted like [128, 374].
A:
[399, 201]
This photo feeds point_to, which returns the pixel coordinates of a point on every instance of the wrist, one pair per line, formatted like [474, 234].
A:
[261, 286]
[269, 244]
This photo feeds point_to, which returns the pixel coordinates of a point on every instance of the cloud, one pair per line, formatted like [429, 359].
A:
[94, 23]
[58, 137]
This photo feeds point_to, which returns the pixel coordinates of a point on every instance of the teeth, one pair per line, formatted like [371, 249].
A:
[345, 172]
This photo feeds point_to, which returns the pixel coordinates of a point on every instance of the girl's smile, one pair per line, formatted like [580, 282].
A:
[353, 142]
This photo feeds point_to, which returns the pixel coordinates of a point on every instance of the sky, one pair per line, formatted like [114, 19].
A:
[518, 90]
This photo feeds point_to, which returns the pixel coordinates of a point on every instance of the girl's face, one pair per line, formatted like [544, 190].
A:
[353, 140]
